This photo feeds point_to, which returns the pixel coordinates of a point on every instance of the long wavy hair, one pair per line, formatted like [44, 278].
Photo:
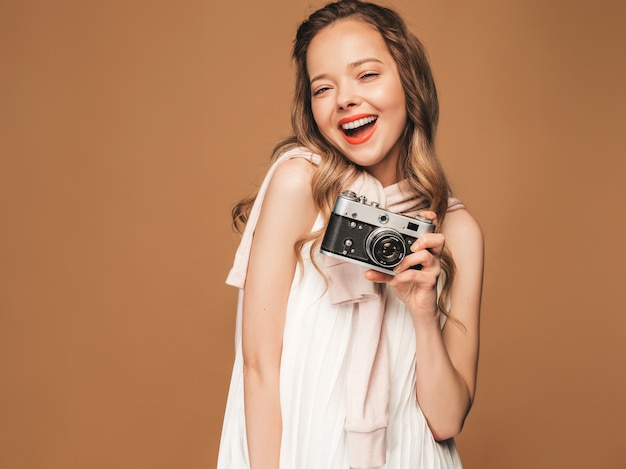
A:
[418, 163]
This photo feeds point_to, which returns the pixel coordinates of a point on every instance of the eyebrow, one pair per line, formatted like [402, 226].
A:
[352, 65]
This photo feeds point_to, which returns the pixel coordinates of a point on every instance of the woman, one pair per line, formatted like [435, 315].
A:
[338, 366]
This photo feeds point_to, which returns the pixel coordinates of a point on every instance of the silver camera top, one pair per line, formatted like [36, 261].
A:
[349, 205]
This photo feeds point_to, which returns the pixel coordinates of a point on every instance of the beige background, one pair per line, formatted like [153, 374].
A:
[129, 128]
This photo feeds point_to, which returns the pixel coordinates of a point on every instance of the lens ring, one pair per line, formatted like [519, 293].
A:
[385, 247]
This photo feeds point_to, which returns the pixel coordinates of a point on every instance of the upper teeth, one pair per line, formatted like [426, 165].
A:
[358, 123]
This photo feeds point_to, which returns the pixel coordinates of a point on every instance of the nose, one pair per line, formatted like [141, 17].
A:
[347, 97]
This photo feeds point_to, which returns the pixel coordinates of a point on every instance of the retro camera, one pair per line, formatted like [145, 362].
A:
[366, 234]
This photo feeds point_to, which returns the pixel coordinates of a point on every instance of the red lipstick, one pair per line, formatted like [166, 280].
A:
[360, 133]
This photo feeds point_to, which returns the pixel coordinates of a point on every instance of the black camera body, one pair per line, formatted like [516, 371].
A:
[370, 236]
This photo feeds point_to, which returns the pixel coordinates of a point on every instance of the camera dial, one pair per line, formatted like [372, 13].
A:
[424, 220]
[349, 195]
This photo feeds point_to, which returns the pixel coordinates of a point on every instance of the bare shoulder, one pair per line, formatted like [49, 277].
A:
[464, 238]
[291, 181]
[288, 202]
[293, 173]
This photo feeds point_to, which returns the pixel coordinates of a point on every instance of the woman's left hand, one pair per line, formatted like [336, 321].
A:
[417, 288]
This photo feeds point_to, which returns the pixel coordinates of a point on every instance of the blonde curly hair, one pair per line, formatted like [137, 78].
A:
[418, 163]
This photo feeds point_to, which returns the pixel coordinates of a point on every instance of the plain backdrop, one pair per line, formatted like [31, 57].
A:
[128, 129]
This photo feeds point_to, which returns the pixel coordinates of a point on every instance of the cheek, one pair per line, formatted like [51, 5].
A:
[395, 99]
[397, 104]
[315, 110]
[320, 116]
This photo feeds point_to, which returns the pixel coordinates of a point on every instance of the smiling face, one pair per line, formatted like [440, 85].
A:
[357, 98]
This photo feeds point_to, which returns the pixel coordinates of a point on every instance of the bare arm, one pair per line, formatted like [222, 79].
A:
[447, 360]
[288, 212]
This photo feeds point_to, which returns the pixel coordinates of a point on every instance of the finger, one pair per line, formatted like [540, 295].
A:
[433, 242]
[421, 260]
[414, 280]
[430, 215]
[378, 277]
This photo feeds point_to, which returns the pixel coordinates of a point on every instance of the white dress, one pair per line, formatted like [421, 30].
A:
[316, 350]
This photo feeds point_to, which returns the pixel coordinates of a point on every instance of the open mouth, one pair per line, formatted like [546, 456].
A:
[358, 129]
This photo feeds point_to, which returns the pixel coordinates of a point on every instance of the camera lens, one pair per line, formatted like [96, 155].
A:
[385, 247]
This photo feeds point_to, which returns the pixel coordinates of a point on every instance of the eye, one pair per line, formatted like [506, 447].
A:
[368, 75]
[320, 90]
